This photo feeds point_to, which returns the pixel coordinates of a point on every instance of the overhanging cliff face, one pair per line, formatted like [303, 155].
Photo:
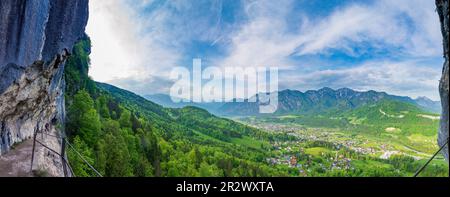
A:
[35, 39]
[443, 11]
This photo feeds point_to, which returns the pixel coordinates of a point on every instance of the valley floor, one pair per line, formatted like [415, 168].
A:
[336, 152]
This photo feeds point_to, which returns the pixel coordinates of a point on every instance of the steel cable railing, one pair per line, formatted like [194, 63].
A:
[62, 155]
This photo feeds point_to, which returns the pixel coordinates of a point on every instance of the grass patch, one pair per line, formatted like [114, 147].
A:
[316, 151]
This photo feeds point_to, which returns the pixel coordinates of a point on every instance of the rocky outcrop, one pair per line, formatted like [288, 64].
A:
[36, 37]
[443, 11]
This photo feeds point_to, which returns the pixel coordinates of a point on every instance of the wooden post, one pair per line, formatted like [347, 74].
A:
[63, 154]
[32, 153]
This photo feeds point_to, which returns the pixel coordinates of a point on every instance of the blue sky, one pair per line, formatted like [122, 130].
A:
[383, 45]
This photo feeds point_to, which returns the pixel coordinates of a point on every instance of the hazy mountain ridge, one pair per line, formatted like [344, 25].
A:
[166, 101]
[184, 117]
[428, 104]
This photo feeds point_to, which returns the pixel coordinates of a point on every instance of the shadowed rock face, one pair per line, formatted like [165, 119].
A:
[33, 30]
[443, 11]
[35, 39]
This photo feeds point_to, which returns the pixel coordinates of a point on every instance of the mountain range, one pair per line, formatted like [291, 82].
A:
[325, 100]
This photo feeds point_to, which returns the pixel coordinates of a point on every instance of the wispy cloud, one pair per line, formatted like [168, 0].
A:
[408, 25]
[263, 40]
[147, 86]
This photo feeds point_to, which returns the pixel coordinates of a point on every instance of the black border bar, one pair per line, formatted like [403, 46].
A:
[149, 186]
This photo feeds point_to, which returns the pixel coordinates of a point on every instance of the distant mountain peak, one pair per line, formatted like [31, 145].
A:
[424, 98]
[345, 89]
[428, 104]
[326, 89]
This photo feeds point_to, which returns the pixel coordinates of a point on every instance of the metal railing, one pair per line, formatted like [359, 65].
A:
[61, 154]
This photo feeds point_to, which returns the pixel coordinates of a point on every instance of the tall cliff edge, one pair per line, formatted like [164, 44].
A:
[443, 11]
[36, 37]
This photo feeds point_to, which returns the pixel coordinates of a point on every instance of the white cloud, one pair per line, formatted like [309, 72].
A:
[123, 47]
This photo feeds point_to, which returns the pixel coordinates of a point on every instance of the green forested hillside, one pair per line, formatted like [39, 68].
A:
[406, 117]
[123, 134]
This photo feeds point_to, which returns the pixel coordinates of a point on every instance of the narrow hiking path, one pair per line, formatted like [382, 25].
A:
[16, 162]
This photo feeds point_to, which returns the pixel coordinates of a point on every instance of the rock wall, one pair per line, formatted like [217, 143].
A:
[36, 37]
[443, 11]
